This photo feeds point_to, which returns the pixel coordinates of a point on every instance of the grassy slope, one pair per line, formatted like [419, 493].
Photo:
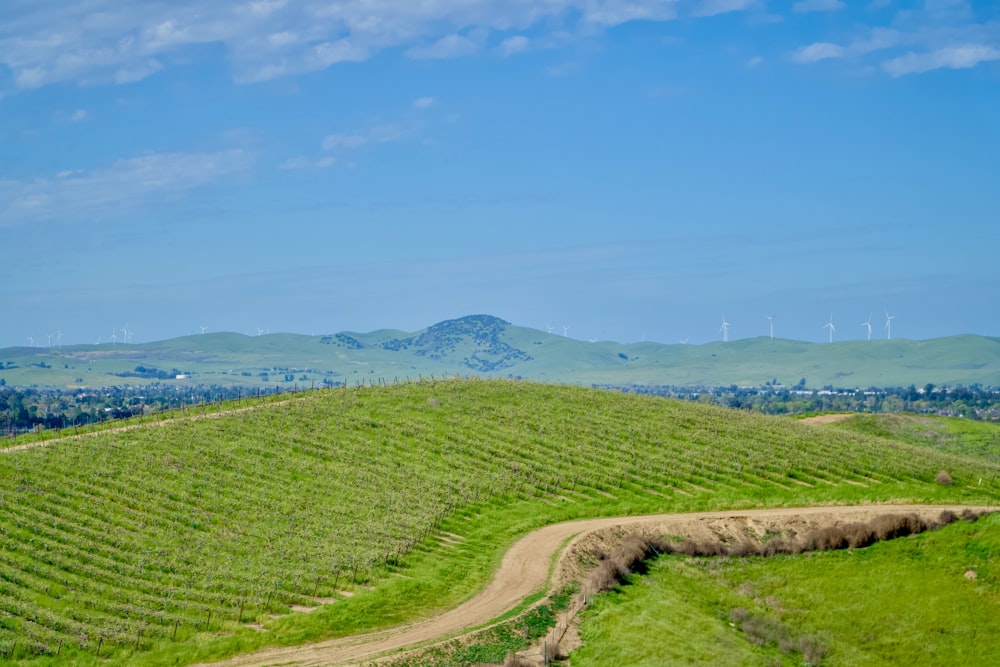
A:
[156, 527]
[959, 436]
[223, 358]
[903, 602]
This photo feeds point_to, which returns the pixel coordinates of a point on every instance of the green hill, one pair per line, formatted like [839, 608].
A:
[488, 346]
[186, 539]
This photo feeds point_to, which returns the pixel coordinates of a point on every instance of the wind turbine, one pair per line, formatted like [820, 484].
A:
[98, 341]
[829, 325]
[724, 329]
[114, 337]
[550, 328]
[50, 339]
[770, 320]
[683, 341]
[31, 342]
[203, 329]
[888, 325]
[58, 337]
[869, 325]
[565, 331]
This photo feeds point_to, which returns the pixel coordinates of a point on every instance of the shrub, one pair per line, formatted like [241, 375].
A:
[943, 478]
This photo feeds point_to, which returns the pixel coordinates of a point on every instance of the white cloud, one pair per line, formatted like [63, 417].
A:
[450, 46]
[78, 116]
[715, 7]
[954, 57]
[804, 6]
[818, 51]
[756, 61]
[335, 141]
[74, 195]
[122, 41]
[423, 102]
[302, 162]
[137, 71]
[515, 44]
[938, 34]
[617, 12]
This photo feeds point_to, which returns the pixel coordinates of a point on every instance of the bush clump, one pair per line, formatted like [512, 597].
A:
[943, 478]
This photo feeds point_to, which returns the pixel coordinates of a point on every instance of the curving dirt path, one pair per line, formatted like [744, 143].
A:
[525, 569]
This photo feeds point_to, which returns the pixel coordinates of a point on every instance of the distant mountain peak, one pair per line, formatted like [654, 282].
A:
[478, 337]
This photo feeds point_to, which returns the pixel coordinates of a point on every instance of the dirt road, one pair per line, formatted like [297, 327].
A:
[525, 569]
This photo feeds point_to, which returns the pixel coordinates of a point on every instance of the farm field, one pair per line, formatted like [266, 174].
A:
[928, 599]
[200, 538]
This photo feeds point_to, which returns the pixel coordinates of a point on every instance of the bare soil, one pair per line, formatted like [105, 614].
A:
[525, 570]
[828, 419]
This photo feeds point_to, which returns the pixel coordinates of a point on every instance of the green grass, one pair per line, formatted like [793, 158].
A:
[118, 540]
[946, 434]
[902, 602]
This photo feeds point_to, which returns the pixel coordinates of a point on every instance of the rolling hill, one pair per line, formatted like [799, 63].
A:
[196, 537]
[488, 346]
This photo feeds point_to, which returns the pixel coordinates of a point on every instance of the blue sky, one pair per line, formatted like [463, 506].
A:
[628, 169]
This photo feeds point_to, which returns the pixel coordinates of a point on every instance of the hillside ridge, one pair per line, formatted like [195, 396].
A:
[488, 345]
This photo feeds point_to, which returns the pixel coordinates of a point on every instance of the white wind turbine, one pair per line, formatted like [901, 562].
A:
[565, 331]
[58, 337]
[114, 337]
[31, 341]
[50, 339]
[724, 329]
[829, 325]
[868, 324]
[770, 320]
[550, 328]
[683, 341]
[203, 329]
[260, 332]
[888, 325]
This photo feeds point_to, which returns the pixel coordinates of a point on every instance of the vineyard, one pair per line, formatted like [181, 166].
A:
[165, 542]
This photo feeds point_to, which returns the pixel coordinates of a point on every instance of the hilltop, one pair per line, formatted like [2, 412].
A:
[489, 346]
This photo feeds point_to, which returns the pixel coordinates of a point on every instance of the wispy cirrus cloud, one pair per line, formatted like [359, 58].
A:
[515, 44]
[818, 51]
[946, 34]
[338, 147]
[121, 41]
[805, 6]
[716, 7]
[955, 57]
[120, 187]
